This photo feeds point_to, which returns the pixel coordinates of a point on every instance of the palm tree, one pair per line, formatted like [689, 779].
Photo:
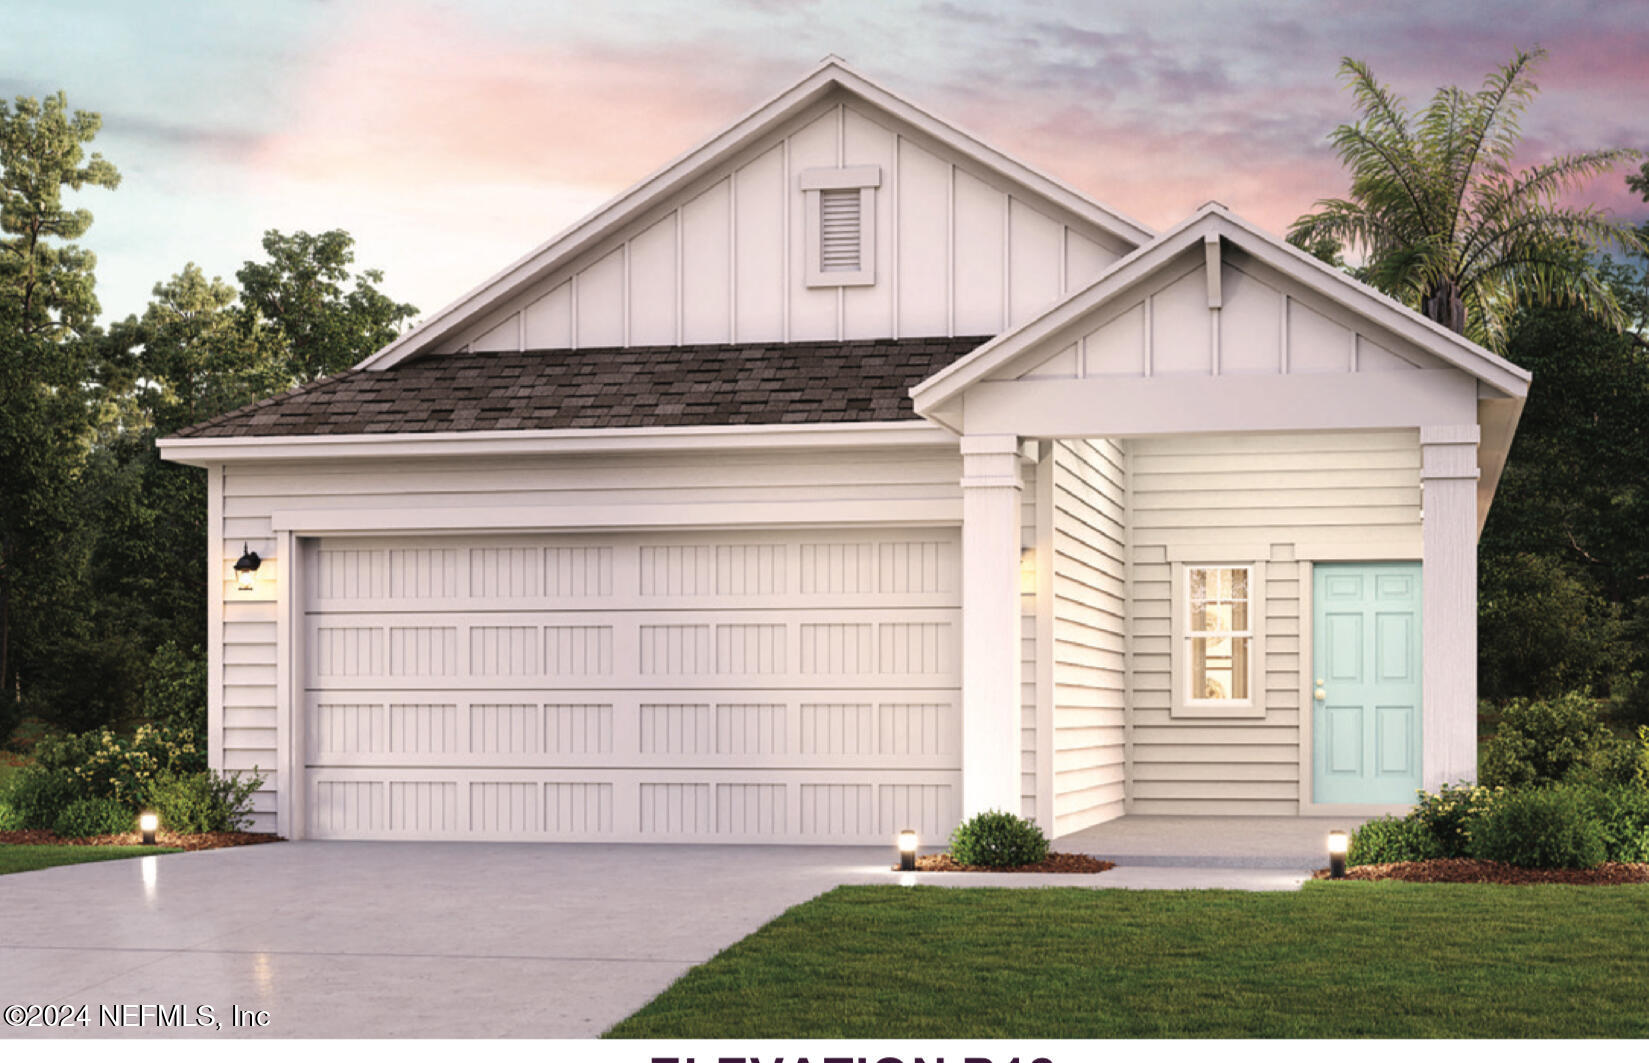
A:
[1442, 223]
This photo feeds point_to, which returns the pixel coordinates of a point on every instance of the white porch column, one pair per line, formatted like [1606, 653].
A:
[1448, 482]
[991, 486]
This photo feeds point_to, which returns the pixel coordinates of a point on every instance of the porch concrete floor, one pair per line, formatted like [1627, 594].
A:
[1296, 843]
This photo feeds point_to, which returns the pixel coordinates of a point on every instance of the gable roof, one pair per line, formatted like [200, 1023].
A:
[831, 73]
[625, 387]
[1214, 221]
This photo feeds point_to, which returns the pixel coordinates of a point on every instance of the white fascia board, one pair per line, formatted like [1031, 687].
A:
[622, 209]
[972, 147]
[203, 451]
[923, 512]
[1352, 293]
[1214, 221]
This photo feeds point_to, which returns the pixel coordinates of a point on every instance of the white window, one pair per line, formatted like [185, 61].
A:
[841, 225]
[1218, 658]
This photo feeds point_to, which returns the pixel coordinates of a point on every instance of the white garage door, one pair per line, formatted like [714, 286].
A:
[717, 687]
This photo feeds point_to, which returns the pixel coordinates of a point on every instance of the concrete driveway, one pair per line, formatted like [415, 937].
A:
[352, 939]
[376, 939]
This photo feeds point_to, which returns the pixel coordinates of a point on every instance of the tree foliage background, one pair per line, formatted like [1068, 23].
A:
[1441, 221]
[103, 580]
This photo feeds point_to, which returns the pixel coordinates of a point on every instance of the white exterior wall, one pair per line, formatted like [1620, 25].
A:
[1089, 631]
[246, 639]
[1278, 500]
[958, 251]
[1027, 625]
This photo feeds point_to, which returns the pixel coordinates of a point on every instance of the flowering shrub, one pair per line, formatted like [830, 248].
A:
[1447, 815]
[103, 764]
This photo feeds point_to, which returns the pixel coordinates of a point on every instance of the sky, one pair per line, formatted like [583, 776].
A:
[450, 137]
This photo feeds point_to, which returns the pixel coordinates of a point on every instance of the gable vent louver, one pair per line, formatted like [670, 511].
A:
[839, 230]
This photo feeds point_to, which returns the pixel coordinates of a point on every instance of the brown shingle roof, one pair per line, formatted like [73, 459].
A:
[608, 387]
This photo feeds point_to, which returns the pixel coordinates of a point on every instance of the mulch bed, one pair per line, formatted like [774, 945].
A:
[1067, 863]
[166, 839]
[1489, 871]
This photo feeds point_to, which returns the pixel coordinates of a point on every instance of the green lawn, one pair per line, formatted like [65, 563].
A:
[15, 858]
[1346, 959]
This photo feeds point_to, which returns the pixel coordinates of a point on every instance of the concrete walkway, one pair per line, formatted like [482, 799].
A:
[374, 939]
[1286, 842]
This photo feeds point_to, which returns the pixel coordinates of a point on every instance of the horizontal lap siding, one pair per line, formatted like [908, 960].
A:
[251, 494]
[249, 718]
[1248, 498]
[1089, 632]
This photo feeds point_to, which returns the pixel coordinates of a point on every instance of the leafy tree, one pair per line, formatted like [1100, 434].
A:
[1543, 628]
[301, 293]
[1442, 221]
[199, 349]
[1564, 582]
[47, 307]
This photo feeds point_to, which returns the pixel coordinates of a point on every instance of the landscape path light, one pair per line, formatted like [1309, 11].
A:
[907, 850]
[148, 823]
[1339, 843]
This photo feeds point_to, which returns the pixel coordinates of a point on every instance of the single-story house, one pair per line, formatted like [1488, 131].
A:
[848, 475]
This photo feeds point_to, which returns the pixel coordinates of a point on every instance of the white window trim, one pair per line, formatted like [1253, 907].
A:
[1179, 607]
[866, 179]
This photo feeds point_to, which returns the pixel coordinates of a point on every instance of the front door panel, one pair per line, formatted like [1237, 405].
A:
[1366, 675]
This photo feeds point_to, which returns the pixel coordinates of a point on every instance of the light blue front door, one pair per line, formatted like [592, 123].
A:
[1365, 722]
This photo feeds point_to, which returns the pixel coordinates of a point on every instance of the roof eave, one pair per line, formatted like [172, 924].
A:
[210, 450]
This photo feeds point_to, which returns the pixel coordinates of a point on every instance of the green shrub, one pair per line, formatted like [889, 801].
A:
[1390, 840]
[998, 839]
[37, 795]
[174, 690]
[103, 764]
[1622, 813]
[1540, 742]
[1614, 763]
[1447, 816]
[1543, 828]
[10, 818]
[203, 801]
[92, 816]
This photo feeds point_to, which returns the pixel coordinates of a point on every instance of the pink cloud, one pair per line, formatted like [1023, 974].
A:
[412, 97]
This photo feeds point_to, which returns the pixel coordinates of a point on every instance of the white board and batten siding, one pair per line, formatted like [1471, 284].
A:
[957, 251]
[1262, 324]
[1087, 506]
[1273, 500]
[798, 651]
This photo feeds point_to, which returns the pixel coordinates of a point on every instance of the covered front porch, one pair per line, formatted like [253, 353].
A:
[1220, 436]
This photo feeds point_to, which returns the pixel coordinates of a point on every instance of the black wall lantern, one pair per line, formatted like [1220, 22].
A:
[246, 569]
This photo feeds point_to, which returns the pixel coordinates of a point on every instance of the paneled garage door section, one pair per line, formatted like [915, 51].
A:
[795, 687]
